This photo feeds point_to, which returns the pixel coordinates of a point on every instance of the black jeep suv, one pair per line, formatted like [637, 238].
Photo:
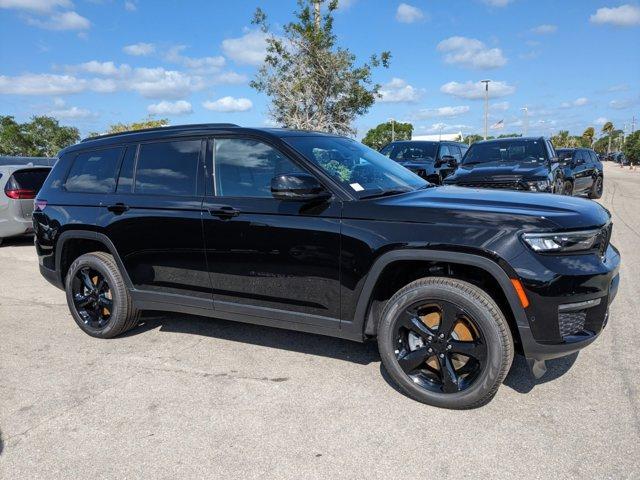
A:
[529, 164]
[433, 161]
[583, 172]
[319, 233]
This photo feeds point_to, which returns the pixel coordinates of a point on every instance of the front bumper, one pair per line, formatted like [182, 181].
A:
[569, 303]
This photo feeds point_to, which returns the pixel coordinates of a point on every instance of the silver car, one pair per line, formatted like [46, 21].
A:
[19, 185]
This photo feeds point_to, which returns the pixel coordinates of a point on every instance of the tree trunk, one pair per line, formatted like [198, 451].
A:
[609, 147]
[316, 14]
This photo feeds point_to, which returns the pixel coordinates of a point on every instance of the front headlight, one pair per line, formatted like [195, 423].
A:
[538, 186]
[562, 242]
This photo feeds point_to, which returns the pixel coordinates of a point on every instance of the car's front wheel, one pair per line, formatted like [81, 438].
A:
[445, 342]
[97, 296]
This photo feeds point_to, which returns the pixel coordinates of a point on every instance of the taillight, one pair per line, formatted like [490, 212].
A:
[39, 205]
[20, 194]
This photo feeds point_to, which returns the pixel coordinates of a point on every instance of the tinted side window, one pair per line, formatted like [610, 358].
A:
[455, 152]
[168, 168]
[594, 157]
[125, 180]
[29, 179]
[444, 150]
[244, 168]
[94, 171]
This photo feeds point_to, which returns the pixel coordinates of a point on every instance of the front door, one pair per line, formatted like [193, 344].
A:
[267, 257]
[154, 219]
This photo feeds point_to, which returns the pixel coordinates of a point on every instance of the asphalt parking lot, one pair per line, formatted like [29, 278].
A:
[188, 397]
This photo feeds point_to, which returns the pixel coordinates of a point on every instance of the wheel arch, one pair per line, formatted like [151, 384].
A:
[73, 243]
[365, 316]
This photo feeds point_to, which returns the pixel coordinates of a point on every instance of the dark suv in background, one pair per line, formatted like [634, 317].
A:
[433, 161]
[583, 172]
[528, 164]
[319, 233]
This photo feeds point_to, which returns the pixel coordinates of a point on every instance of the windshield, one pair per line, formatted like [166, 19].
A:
[410, 152]
[363, 171]
[564, 153]
[514, 151]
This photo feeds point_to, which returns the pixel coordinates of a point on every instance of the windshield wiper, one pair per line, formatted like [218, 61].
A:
[386, 193]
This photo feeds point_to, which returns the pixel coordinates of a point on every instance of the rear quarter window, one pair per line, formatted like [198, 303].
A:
[29, 179]
[94, 171]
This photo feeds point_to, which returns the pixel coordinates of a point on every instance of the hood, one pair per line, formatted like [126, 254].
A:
[499, 171]
[499, 208]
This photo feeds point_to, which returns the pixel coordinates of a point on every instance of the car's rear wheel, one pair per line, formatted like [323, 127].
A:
[597, 188]
[97, 296]
[445, 342]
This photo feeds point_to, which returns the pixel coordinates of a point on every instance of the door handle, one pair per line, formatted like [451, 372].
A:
[118, 208]
[224, 211]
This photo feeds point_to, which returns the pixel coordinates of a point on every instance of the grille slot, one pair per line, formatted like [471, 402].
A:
[495, 185]
[572, 323]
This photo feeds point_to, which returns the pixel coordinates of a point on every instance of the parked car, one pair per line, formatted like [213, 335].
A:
[528, 164]
[265, 226]
[18, 187]
[583, 172]
[432, 161]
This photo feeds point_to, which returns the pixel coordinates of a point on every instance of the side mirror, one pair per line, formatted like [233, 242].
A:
[300, 187]
[446, 160]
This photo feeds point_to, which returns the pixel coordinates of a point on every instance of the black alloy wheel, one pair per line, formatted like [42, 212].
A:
[92, 298]
[597, 188]
[568, 188]
[439, 346]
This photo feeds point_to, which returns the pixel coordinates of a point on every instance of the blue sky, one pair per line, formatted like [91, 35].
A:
[91, 63]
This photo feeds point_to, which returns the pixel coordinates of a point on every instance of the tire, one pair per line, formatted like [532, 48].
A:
[122, 314]
[492, 328]
[558, 186]
[597, 188]
[567, 188]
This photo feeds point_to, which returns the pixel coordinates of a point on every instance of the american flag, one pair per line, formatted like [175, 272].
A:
[498, 125]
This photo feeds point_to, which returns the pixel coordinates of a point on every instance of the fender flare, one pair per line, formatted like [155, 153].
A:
[361, 316]
[90, 235]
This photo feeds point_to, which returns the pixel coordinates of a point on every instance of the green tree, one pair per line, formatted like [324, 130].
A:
[146, 123]
[43, 136]
[510, 135]
[562, 139]
[588, 137]
[314, 84]
[473, 138]
[631, 148]
[379, 136]
[608, 129]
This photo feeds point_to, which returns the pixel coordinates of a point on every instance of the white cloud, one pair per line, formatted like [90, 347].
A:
[475, 91]
[139, 49]
[73, 113]
[230, 78]
[41, 84]
[250, 49]
[578, 102]
[499, 106]
[601, 120]
[38, 6]
[497, 3]
[101, 68]
[201, 64]
[442, 112]
[228, 104]
[130, 6]
[623, 87]
[544, 29]
[399, 91]
[181, 107]
[62, 21]
[408, 13]
[623, 16]
[622, 104]
[161, 83]
[471, 53]
[443, 127]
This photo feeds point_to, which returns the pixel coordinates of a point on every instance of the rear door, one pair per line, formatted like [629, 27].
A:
[581, 171]
[154, 220]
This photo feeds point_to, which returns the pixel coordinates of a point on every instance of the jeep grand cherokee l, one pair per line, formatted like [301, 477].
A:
[583, 172]
[528, 164]
[266, 226]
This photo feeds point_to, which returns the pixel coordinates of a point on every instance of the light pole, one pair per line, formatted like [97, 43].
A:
[486, 107]
[525, 110]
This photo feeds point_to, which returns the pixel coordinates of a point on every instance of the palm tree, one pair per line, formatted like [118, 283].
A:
[608, 129]
[588, 135]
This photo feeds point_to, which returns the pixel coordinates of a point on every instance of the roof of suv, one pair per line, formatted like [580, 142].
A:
[510, 139]
[179, 130]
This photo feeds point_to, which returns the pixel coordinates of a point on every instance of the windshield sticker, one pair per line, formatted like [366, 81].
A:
[357, 187]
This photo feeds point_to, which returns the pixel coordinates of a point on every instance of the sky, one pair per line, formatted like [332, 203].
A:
[92, 63]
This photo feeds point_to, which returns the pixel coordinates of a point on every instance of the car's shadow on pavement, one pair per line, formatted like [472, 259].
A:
[24, 240]
[519, 377]
[361, 353]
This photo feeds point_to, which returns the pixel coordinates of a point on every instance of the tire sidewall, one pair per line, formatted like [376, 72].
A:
[117, 312]
[484, 321]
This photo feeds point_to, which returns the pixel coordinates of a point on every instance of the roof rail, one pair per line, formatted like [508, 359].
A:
[195, 126]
